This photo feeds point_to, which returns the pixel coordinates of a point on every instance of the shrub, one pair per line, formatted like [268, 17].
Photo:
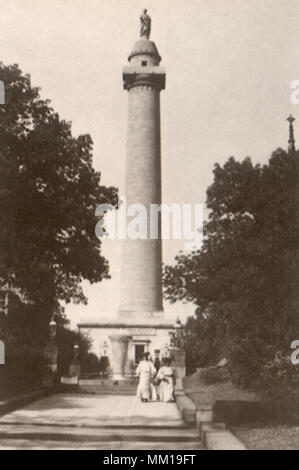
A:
[23, 371]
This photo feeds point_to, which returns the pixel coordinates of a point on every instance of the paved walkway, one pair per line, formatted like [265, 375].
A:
[96, 422]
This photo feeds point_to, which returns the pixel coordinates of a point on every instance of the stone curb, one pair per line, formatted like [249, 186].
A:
[18, 402]
[221, 440]
[213, 435]
[187, 408]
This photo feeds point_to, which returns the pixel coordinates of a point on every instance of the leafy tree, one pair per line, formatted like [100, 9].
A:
[244, 279]
[48, 194]
[66, 339]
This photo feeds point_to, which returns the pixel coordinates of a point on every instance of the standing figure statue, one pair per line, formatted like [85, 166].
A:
[145, 25]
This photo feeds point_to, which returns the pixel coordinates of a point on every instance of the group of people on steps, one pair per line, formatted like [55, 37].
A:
[155, 382]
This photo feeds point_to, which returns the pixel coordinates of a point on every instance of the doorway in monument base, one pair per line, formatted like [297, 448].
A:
[139, 350]
[140, 346]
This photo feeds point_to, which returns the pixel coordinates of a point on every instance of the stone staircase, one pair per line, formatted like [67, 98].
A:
[82, 421]
[99, 386]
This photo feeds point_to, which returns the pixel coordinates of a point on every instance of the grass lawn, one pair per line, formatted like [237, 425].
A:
[257, 436]
[268, 437]
[209, 393]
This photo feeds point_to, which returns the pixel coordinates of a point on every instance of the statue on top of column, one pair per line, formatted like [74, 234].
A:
[145, 25]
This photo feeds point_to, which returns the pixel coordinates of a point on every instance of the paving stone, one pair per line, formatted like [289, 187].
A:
[64, 421]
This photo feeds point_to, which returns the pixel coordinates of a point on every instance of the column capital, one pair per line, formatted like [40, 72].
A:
[153, 77]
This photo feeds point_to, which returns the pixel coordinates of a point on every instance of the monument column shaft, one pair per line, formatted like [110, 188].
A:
[141, 287]
[143, 175]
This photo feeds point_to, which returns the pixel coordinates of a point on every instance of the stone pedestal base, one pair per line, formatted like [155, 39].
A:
[51, 354]
[119, 345]
[70, 380]
[75, 369]
[178, 362]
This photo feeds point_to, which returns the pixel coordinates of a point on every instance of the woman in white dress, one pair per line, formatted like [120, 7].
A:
[166, 378]
[145, 371]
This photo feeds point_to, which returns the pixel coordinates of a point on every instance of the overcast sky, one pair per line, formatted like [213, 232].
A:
[229, 66]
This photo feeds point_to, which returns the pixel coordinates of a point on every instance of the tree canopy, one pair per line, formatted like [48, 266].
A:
[244, 280]
[49, 191]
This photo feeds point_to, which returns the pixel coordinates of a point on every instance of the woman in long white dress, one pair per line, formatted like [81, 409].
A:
[166, 377]
[145, 371]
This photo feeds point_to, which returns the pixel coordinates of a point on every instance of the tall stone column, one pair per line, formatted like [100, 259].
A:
[141, 264]
[119, 345]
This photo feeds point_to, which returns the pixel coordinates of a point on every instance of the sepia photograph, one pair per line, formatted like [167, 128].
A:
[149, 228]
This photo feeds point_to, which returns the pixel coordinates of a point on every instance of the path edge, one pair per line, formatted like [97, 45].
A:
[15, 403]
[213, 435]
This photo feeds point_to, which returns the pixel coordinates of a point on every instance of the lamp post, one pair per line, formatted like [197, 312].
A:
[76, 349]
[53, 330]
[177, 354]
[171, 338]
[51, 352]
[75, 369]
